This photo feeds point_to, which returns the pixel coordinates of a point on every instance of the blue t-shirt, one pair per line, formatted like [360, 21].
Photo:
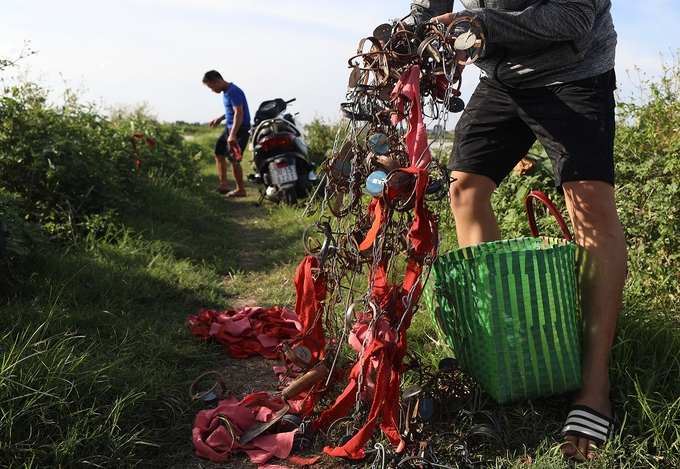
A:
[234, 96]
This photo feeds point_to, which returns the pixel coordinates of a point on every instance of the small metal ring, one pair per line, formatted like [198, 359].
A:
[408, 203]
[290, 358]
[197, 394]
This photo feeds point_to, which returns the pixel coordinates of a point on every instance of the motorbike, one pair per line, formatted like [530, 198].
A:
[280, 157]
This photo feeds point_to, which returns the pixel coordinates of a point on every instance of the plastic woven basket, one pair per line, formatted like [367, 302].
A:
[508, 311]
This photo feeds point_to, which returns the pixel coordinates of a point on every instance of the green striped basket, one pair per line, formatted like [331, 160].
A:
[508, 311]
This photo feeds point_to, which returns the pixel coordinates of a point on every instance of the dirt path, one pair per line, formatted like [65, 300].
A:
[255, 374]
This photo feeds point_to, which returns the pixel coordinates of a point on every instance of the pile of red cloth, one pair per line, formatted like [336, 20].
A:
[216, 431]
[249, 331]
[259, 331]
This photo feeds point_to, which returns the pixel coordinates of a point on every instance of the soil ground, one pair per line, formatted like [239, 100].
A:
[255, 374]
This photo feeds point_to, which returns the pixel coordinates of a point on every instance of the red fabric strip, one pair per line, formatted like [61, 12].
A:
[310, 292]
[408, 88]
[375, 207]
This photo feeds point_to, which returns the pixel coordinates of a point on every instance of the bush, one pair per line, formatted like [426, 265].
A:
[19, 236]
[319, 139]
[61, 161]
[64, 164]
[170, 157]
[648, 190]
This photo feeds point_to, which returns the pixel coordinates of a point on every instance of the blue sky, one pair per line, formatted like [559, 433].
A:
[124, 52]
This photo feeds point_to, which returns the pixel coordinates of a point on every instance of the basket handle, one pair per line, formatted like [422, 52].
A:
[556, 213]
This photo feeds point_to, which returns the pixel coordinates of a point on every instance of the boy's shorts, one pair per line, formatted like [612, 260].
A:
[223, 149]
[573, 121]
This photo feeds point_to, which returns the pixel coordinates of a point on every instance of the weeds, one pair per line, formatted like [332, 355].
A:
[95, 363]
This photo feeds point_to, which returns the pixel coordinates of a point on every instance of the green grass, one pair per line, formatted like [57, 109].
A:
[96, 360]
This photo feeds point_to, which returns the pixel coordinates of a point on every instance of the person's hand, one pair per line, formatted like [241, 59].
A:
[231, 140]
[420, 29]
[215, 122]
[433, 23]
[444, 19]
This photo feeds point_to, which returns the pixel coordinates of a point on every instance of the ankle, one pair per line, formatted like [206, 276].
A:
[596, 399]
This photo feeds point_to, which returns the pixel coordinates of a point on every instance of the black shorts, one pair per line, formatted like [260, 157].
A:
[221, 147]
[573, 121]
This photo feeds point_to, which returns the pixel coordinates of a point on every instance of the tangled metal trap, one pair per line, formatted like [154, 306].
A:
[375, 240]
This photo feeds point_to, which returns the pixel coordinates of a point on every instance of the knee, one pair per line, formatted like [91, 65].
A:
[593, 212]
[591, 202]
[470, 191]
[459, 196]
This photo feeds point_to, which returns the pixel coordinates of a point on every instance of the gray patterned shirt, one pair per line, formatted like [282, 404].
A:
[532, 43]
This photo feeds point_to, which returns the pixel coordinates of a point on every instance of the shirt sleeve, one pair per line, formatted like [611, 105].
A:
[423, 10]
[546, 21]
[238, 98]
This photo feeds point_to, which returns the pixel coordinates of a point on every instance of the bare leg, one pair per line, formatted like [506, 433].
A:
[471, 206]
[237, 171]
[221, 164]
[598, 230]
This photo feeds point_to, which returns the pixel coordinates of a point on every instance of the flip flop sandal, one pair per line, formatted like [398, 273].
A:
[585, 422]
[222, 191]
[234, 194]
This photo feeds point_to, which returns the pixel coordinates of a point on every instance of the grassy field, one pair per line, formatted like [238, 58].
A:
[95, 352]
[96, 359]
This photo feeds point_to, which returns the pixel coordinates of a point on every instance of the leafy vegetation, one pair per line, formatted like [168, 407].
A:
[68, 167]
[104, 260]
[320, 138]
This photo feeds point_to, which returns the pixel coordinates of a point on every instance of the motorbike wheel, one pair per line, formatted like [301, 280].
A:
[290, 196]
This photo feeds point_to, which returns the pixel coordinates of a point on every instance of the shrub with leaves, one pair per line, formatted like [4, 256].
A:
[169, 157]
[19, 236]
[319, 138]
[61, 161]
[65, 163]
[648, 168]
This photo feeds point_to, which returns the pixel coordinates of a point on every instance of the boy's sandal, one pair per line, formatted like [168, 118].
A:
[585, 422]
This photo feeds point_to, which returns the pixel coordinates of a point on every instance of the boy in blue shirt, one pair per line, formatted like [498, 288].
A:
[236, 132]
